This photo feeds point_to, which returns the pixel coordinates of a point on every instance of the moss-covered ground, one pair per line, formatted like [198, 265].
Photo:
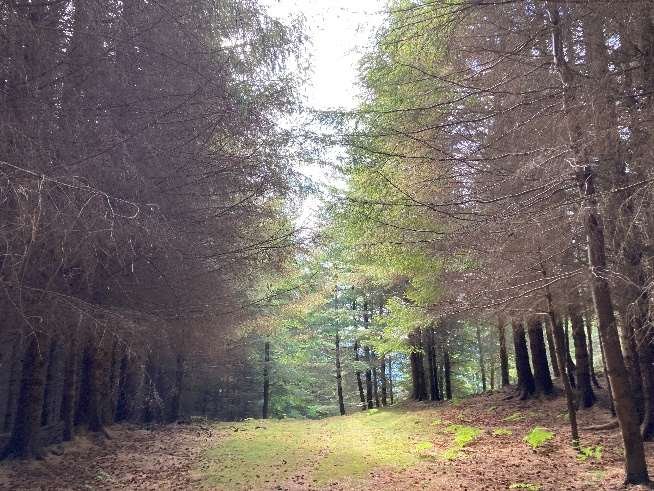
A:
[413, 446]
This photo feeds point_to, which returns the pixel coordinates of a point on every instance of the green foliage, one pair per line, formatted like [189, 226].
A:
[463, 436]
[538, 437]
[423, 446]
[594, 452]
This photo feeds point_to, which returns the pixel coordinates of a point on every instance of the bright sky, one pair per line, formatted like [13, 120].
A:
[339, 33]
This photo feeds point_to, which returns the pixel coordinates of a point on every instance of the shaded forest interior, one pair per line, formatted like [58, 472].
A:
[492, 229]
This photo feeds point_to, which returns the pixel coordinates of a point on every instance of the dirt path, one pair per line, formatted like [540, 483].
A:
[366, 451]
[135, 458]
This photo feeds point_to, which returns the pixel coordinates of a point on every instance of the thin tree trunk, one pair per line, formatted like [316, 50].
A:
[552, 350]
[339, 376]
[362, 396]
[571, 369]
[375, 386]
[70, 384]
[266, 379]
[482, 365]
[176, 402]
[504, 357]
[431, 369]
[369, 387]
[448, 374]
[584, 383]
[492, 373]
[608, 381]
[13, 389]
[591, 355]
[384, 381]
[390, 378]
[369, 390]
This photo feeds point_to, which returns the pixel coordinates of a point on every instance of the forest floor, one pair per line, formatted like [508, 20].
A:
[473, 444]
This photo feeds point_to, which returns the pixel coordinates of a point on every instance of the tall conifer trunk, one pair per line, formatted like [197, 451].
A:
[635, 463]
[526, 383]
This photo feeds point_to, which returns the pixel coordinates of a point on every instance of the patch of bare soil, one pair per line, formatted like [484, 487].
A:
[507, 462]
[161, 457]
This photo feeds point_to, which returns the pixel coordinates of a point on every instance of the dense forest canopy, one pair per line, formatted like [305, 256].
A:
[492, 227]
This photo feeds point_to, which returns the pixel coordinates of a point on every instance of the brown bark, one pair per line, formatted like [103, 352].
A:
[526, 383]
[69, 390]
[482, 363]
[384, 381]
[635, 463]
[266, 380]
[447, 374]
[362, 396]
[552, 350]
[591, 354]
[584, 383]
[504, 357]
[390, 378]
[431, 364]
[339, 375]
[25, 442]
[542, 380]
[375, 386]
[419, 386]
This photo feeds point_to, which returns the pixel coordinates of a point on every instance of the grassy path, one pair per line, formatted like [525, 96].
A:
[476, 444]
[481, 443]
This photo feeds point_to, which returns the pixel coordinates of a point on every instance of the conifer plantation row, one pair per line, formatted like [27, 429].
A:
[489, 228]
[142, 173]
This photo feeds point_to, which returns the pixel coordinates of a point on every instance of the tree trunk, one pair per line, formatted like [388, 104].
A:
[390, 378]
[98, 392]
[384, 382]
[552, 350]
[526, 383]
[48, 412]
[584, 383]
[635, 463]
[482, 364]
[492, 373]
[375, 386]
[266, 380]
[176, 400]
[369, 389]
[608, 381]
[542, 380]
[70, 384]
[431, 366]
[14, 382]
[25, 442]
[369, 386]
[559, 341]
[571, 369]
[504, 357]
[447, 374]
[591, 355]
[339, 376]
[362, 396]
